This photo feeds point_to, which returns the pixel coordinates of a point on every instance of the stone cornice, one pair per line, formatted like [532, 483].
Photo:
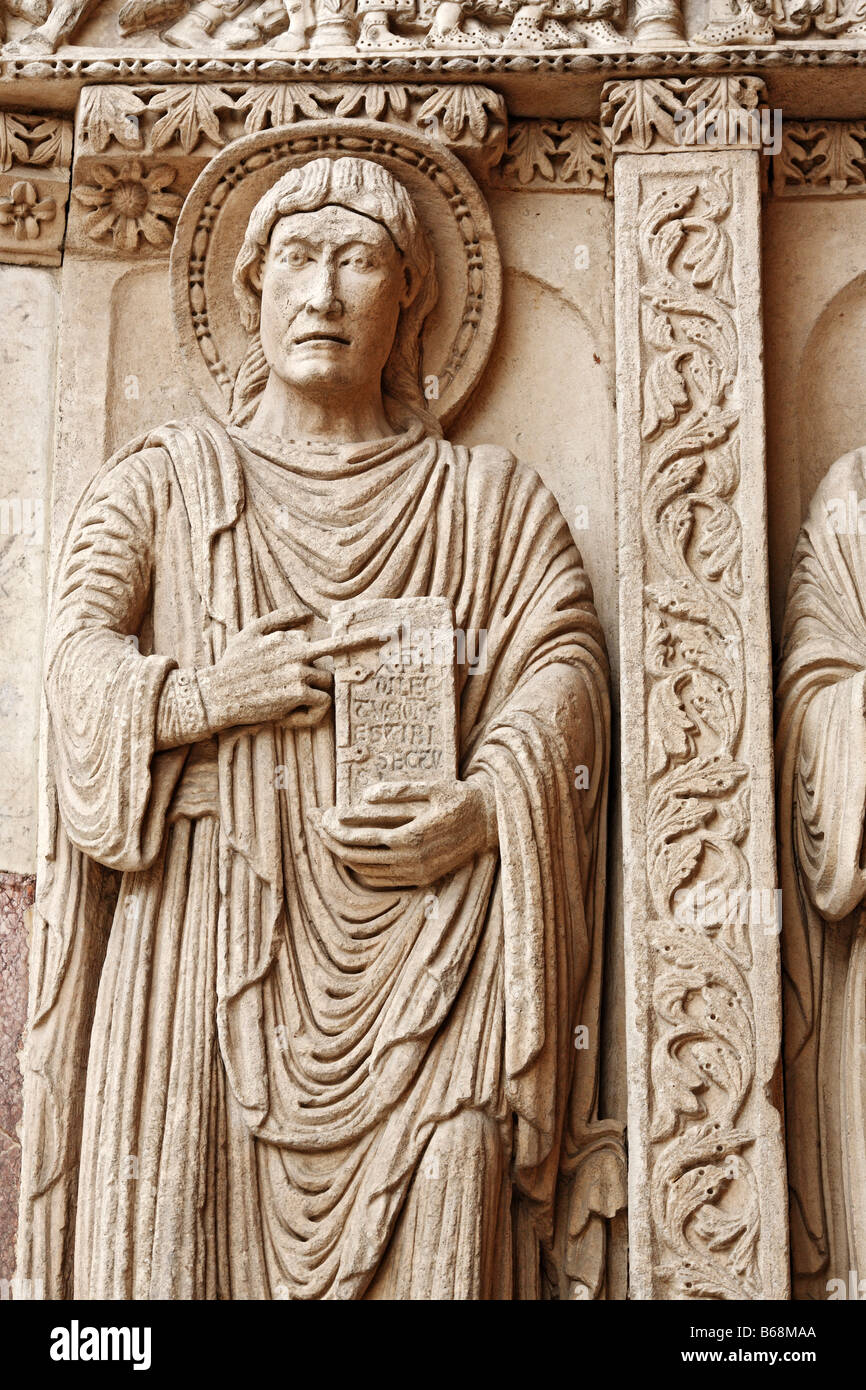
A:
[795, 75]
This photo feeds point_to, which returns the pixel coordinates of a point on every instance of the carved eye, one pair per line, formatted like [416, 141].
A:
[359, 260]
[295, 257]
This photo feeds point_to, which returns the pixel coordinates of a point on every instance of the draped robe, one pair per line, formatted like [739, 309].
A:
[821, 762]
[275, 1050]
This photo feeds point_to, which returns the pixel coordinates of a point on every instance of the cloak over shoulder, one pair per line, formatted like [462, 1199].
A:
[180, 541]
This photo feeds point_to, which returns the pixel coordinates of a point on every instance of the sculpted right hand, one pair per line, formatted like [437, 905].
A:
[265, 675]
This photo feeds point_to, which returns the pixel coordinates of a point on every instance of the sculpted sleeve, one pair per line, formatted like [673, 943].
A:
[540, 735]
[830, 798]
[102, 692]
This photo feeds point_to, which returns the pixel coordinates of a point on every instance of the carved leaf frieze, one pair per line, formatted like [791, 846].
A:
[109, 114]
[190, 115]
[177, 119]
[460, 109]
[678, 112]
[554, 156]
[821, 157]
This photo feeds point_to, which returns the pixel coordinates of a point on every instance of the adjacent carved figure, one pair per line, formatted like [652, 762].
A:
[279, 1050]
[821, 761]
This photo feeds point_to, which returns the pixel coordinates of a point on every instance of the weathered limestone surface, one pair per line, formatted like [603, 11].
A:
[28, 305]
[702, 959]
[16, 900]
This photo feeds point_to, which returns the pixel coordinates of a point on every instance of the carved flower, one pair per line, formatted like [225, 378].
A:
[130, 203]
[24, 211]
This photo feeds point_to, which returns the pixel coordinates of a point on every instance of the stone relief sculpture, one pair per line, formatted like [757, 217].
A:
[294, 25]
[821, 766]
[281, 1047]
[706, 1162]
[385, 26]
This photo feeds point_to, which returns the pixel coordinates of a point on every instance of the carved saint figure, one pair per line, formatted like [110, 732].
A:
[821, 760]
[325, 1059]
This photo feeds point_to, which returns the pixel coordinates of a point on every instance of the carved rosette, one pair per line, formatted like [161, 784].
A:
[700, 899]
[140, 149]
[35, 154]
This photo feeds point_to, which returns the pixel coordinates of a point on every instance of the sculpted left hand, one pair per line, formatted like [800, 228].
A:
[411, 833]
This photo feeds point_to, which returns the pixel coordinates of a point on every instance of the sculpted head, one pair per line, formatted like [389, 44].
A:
[334, 280]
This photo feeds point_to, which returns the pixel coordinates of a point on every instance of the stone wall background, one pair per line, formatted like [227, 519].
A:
[16, 899]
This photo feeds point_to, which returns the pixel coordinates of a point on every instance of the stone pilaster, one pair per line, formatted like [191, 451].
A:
[707, 1199]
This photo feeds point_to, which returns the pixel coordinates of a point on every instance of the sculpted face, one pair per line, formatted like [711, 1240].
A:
[332, 286]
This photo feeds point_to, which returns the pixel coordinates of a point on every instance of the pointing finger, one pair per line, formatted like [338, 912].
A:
[279, 620]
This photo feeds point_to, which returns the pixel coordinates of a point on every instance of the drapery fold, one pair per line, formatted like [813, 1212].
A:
[821, 770]
[348, 1022]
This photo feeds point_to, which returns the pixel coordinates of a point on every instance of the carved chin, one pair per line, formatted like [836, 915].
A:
[317, 366]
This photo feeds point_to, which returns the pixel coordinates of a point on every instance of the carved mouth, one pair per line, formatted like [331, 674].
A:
[322, 338]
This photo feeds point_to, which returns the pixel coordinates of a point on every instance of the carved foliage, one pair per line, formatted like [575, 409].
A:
[35, 151]
[184, 118]
[677, 112]
[703, 1191]
[554, 156]
[820, 157]
[40, 141]
[140, 148]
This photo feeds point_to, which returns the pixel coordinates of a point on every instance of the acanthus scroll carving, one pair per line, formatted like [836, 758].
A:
[697, 815]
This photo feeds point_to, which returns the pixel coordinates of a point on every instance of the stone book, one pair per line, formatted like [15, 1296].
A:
[395, 700]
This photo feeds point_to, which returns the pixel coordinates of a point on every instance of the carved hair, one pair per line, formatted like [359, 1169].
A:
[361, 186]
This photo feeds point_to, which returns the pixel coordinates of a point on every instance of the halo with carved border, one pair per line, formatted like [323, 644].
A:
[458, 333]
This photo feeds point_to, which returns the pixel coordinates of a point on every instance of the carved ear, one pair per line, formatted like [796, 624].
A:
[412, 285]
[255, 274]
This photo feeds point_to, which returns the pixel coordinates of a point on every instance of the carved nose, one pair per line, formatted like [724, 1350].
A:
[323, 296]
